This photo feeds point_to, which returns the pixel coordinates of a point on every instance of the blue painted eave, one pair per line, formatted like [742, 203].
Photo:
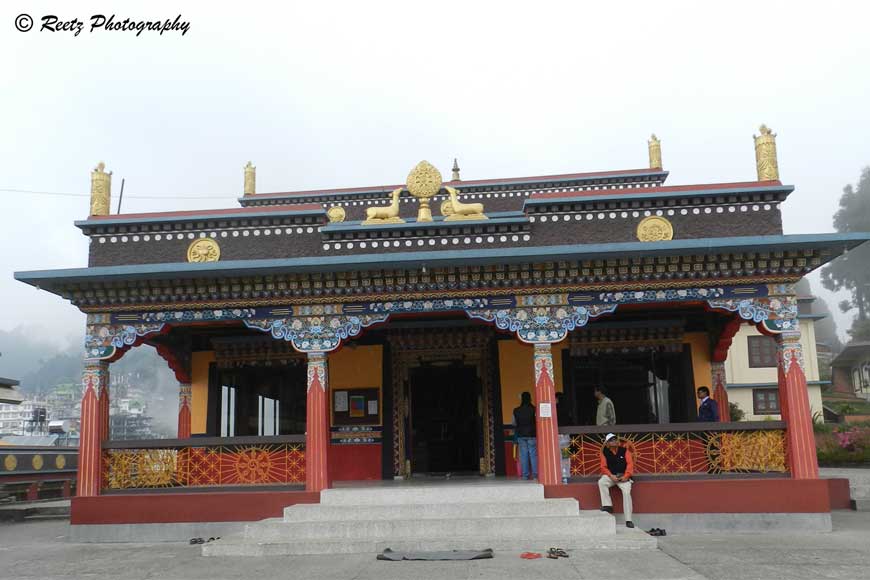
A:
[835, 243]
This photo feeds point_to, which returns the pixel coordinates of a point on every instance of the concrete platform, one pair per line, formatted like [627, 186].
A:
[36, 510]
[438, 516]
[693, 524]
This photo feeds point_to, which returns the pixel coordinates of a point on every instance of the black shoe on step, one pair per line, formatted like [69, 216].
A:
[629, 524]
[607, 509]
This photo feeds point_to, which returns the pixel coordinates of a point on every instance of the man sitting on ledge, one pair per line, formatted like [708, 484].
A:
[616, 469]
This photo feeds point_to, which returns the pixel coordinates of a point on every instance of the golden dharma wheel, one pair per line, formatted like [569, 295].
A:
[336, 214]
[203, 250]
[424, 181]
[655, 229]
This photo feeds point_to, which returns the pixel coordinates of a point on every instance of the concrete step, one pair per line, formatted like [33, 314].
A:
[18, 512]
[859, 490]
[534, 508]
[489, 529]
[861, 505]
[433, 494]
[623, 540]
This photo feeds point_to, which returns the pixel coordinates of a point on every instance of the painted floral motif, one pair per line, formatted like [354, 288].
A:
[542, 324]
[628, 297]
[428, 305]
[317, 370]
[102, 340]
[777, 313]
[198, 315]
[314, 333]
[791, 351]
[543, 361]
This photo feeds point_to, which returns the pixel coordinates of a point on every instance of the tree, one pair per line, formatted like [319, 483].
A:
[852, 271]
[860, 331]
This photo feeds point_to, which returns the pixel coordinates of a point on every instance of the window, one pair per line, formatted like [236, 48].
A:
[762, 351]
[228, 411]
[259, 401]
[765, 401]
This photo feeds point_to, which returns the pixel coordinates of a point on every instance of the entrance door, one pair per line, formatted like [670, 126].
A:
[445, 423]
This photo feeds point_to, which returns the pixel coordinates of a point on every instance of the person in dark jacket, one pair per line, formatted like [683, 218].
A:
[524, 423]
[709, 409]
[617, 466]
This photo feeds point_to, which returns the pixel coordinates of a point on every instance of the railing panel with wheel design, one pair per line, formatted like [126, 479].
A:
[685, 448]
[204, 462]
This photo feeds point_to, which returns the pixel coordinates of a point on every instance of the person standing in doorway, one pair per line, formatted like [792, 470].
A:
[606, 414]
[616, 469]
[709, 409]
[524, 423]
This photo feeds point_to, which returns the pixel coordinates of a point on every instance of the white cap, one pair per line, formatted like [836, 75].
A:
[609, 437]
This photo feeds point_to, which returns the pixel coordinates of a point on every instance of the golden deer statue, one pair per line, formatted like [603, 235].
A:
[386, 214]
[456, 210]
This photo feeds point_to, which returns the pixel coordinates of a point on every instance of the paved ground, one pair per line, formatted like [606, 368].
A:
[39, 550]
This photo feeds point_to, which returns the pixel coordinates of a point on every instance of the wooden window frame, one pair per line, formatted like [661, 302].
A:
[763, 355]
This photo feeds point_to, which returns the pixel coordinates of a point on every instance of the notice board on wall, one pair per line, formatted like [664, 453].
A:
[360, 406]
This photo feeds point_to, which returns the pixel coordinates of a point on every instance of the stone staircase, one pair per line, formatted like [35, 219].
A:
[504, 516]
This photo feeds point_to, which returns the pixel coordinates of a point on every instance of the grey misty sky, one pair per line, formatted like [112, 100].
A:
[322, 94]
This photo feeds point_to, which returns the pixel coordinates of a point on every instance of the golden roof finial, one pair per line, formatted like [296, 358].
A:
[250, 179]
[766, 164]
[456, 170]
[655, 152]
[101, 190]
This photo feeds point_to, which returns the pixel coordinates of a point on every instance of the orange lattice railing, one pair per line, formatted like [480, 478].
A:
[204, 462]
[689, 448]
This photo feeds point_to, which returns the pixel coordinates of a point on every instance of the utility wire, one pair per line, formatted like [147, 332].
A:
[67, 194]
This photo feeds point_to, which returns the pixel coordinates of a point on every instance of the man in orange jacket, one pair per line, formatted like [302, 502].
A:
[616, 468]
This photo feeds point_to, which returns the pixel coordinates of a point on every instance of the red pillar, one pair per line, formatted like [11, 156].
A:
[720, 392]
[184, 396]
[549, 458]
[103, 405]
[794, 402]
[95, 379]
[316, 423]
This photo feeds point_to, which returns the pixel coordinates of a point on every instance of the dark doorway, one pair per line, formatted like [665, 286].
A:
[257, 401]
[445, 423]
[645, 387]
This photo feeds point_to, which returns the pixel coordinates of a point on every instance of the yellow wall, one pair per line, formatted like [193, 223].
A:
[357, 367]
[199, 390]
[517, 373]
[699, 342]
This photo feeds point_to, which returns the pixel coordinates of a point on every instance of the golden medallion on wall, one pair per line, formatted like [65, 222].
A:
[60, 462]
[37, 462]
[203, 250]
[10, 463]
[655, 229]
[336, 214]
